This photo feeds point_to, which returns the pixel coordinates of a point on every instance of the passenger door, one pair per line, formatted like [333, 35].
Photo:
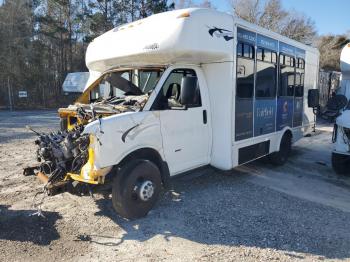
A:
[185, 131]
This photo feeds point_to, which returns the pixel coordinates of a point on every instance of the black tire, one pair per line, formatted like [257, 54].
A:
[280, 158]
[341, 164]
[126, 185]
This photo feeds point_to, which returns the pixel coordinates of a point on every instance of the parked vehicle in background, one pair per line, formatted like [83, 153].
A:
[75, 82]
[341, 133]
[329, 82]
[177, 91]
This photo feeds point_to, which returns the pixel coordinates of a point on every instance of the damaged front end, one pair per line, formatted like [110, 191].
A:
[66, 162]
[60, 154]
[66, 158]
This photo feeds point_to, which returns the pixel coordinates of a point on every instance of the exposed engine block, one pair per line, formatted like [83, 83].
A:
[62, 152]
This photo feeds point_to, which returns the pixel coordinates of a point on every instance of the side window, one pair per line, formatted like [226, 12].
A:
[286, 76]
[148, 80]
[260, 54]
[240, 49]
[170, 95]
[299, 79]
[274, 58]
[266, 71]
[248, 51]
[245, 72]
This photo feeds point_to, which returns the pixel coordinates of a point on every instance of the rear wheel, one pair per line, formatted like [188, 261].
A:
[280, 157]
[341, 164]
[136, 188]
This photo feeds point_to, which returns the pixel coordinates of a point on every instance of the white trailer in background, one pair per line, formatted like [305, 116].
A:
[341, 134]
[209, 89]
[75, 82]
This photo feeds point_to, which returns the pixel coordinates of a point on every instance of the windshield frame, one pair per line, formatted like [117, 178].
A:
[85, 97]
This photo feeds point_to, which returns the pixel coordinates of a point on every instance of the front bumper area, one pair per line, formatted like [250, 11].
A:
[67, 158]
[77, 184]
[90, 175]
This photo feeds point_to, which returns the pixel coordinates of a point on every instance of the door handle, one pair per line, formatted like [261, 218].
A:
[205, 117]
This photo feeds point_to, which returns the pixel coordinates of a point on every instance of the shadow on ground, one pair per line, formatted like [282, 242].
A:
[18, 225]
[229, 210]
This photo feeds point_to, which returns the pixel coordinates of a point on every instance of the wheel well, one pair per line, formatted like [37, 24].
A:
[153, 156]
[288, 133]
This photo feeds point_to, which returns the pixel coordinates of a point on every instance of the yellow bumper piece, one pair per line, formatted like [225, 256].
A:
[89, 173]
[79, 178]
[94, 177]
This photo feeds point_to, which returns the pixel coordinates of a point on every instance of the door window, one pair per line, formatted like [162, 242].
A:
[244, 91]
[169, 96]
[266, 74]
[245, 70]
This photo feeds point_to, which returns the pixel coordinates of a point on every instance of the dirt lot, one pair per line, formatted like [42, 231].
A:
[255, 212]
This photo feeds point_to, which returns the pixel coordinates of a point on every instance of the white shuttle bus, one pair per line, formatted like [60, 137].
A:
[185, 89]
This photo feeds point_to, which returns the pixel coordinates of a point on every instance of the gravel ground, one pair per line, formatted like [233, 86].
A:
[256, 212]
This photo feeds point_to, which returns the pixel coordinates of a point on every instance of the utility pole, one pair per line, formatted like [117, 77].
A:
[44, 102]
[9, 92]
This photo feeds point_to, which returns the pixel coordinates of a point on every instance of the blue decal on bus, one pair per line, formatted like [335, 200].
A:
[300, 53]
[267, 42]
[286, 49]
[284, 112]
[246, 36]
[264, 116]
[298, 111]
[244, 118]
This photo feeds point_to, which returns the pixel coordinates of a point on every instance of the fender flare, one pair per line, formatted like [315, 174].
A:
[152, 155]
[286, 130]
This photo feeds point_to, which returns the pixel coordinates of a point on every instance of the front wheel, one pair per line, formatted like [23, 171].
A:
[341, 164]
[136, 188]
[280, 157]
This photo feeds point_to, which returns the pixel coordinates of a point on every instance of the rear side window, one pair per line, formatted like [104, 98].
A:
[299, 78]
[286, 75]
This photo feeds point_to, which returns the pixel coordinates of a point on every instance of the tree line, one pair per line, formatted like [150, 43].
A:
[43, 40]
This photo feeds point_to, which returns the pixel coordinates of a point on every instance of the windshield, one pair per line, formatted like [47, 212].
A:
[133, 82]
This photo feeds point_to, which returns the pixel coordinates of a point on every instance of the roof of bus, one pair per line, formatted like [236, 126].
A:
[165, 38]
[195, 35]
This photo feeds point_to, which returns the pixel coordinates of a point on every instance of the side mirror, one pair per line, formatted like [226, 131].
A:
[313, 98]
[188, 90]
